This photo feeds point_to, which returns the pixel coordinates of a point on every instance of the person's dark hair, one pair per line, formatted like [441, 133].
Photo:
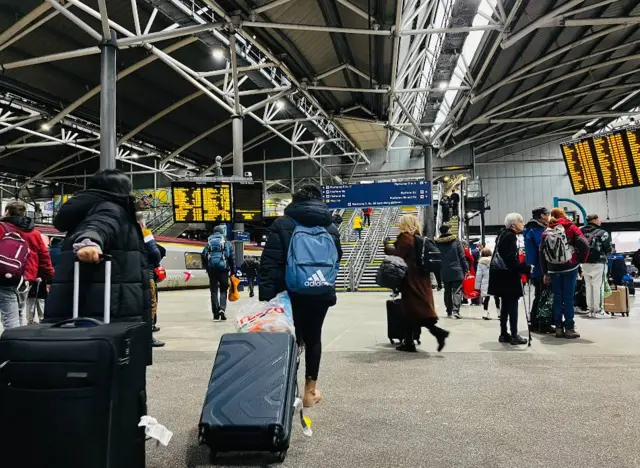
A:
[307, 192]
[111, 180]
[55, 242]
[444, 229]
[16, 208]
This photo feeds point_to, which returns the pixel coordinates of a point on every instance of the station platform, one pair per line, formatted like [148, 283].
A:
[570, 403]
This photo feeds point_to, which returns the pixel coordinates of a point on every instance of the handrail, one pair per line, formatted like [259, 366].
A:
[461, 212]
[345, 235]
[439, 211]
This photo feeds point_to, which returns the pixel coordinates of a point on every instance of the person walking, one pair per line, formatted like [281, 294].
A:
[416, 290]
[309, 311]
[594, 271]
[562, 249]
[357, 225]
[367, 212]
[154, 258]
[249, 269]
[505, 279]
[15, 285]
[532, 238]
[217, 255]
[452, 270]
[482, 283]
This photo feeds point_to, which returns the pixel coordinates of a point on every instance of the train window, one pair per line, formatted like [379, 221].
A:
[193, 261]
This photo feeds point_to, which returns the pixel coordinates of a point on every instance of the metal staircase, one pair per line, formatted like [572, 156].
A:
[353, 248]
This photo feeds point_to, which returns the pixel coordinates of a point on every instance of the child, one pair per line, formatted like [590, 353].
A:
[482, 282]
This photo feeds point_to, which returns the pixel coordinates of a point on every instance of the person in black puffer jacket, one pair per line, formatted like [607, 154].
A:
[102, 219]
[309, 312]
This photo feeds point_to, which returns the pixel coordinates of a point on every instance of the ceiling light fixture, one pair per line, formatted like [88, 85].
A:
[442, 85]
[45, 127]
[320, 140]
[218, 53]
[280, 104]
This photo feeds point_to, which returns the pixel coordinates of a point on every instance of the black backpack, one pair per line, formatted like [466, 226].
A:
[427, 255]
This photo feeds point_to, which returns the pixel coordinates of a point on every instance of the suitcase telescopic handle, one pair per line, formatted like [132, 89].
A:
[107, 287]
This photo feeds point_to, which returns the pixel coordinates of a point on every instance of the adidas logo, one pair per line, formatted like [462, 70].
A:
[316, 280]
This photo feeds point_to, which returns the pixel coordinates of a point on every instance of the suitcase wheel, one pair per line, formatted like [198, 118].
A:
[391, 341]
[280, 456]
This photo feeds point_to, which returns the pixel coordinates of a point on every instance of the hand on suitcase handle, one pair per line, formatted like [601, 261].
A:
[91, 254]
[78, 321]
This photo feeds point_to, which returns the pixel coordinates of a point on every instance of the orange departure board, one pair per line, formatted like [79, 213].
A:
[216, 203]
[608, 161]
[187, 203]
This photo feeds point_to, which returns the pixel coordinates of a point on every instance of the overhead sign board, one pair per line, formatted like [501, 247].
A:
[608, 161]
[407, 193]
[198, 203]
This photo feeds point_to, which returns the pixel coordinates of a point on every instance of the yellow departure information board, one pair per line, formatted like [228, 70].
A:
[216, 203]
[187, 203]
[247, 202]
[608, 161]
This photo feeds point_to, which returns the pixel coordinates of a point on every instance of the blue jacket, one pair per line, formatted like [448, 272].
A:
[532, 238]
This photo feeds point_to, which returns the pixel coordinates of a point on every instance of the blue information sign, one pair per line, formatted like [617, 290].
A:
[409, 193]
[241, 236]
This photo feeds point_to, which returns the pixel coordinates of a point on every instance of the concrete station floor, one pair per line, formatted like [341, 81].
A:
[569, 403]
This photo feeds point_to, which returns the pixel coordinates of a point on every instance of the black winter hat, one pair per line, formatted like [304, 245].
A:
[444, 229]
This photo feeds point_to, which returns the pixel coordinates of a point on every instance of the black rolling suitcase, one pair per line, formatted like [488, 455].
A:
[72, 393]
[396, 323]
[249, 404]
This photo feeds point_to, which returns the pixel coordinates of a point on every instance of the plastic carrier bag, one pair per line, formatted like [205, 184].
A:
[273, 316]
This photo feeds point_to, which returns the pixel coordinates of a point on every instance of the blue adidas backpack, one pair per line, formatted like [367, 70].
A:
[312, 262]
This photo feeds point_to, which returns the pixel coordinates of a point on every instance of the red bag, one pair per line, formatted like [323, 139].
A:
[469, 287]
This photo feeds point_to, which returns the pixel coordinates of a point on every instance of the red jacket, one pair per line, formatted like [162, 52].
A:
[39, 261]
[576, 239]
[367, 211]
[470, 261]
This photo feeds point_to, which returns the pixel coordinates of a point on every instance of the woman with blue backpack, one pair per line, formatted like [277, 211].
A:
[302, 256]
[217, 255]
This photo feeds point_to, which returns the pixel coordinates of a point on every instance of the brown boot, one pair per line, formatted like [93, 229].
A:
[311, 395]
[571, 333]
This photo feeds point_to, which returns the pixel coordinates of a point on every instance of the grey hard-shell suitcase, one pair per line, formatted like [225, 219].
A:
[249, 405]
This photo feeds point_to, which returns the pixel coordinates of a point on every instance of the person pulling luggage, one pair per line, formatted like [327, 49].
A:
[306, 229]
[102, 220]
[218, 256]
[594, 271]
[417, 293]
[454, 268]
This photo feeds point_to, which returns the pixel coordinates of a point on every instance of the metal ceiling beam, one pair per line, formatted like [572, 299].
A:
[357, 10]
[169, 34]
[77, 21]
[543, 85]
[31, 28]
[19, 124]
[195, 140]
[597, 21]
[51, 58]
[558, 51]
[127, 71]
[104, 18]
[23, 22]
[540, 22]
[269, 6]
[560, 118]
[259, 66]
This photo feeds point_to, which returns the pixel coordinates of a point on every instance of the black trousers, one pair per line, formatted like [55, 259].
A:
[486, 299]
[308, 317]
[429, 324]
[367, 220]
[539, 286]
[218, 287]
[509, 312]
[252, 284]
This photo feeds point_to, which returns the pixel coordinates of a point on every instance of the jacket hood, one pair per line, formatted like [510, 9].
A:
[562, 222]
[484, 261]
[23, 223]
[76, 208]
[535, 223]
[309, 213]
[446, 239]
[589, 228]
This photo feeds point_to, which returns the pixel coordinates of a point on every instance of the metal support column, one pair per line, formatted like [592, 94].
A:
[293, 181]
[429, 216]
[108, 78]
[236, 120]
[483, 239]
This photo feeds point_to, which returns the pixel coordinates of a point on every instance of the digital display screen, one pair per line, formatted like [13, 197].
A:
[197, 203]
[609, 161]
[187, 203]
[410, 193]
[247, 203]
[216, 203]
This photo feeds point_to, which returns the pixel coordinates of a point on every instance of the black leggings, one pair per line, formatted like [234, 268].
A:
[486, 299]
[308, 318]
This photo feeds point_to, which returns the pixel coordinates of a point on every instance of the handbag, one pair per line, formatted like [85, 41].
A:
[497, 263]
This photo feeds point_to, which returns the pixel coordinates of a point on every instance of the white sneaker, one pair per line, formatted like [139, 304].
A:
[601, 315]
